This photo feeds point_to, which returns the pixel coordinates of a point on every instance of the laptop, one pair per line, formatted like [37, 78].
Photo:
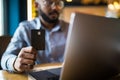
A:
[49, 71]
[92, 50]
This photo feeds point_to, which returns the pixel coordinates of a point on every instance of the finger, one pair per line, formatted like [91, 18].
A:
[28, 56]
[27, 61]
[25, 67]
[20, 64]
[29, 50]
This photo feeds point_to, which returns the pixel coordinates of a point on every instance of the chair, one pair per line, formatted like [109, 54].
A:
[4, 41]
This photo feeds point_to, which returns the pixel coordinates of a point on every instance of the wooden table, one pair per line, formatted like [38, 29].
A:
[4, 75]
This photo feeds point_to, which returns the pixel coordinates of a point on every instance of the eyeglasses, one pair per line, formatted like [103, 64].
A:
[51, 3]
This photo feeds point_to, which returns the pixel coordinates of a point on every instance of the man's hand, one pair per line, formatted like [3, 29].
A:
[26, 59]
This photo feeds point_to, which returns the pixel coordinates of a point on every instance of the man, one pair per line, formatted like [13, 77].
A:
[21, 56]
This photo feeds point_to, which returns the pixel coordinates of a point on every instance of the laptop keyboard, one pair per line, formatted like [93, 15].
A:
[51, 74]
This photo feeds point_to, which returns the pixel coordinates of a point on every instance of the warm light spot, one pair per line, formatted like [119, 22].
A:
[116, 5]
[111, 7]
[29, 9]
[69, 0]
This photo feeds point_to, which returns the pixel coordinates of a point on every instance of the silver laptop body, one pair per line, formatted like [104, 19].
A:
[93, 48]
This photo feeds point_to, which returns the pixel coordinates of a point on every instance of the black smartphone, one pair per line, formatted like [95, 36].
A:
[38, 39]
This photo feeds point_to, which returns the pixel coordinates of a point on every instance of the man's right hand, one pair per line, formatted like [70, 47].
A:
[25, 60]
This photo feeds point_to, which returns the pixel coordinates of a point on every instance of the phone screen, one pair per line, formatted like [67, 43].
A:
[38, 39]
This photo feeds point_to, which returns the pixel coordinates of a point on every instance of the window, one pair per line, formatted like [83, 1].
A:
[1, 18]
[31, 13]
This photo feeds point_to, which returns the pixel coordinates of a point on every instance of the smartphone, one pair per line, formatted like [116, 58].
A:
[38, 39]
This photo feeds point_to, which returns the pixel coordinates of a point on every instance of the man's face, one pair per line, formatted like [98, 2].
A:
[50, 10]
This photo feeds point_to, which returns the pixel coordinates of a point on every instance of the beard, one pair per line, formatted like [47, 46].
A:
[46, 18]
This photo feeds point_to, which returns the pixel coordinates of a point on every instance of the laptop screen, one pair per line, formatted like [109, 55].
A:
[93, 48]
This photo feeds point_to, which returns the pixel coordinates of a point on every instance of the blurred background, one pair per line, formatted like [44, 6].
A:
[14, 11]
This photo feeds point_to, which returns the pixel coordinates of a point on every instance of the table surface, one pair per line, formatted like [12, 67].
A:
[4, 75]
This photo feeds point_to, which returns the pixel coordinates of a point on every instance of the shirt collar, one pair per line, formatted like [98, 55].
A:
[56, 28]
[38, 23]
